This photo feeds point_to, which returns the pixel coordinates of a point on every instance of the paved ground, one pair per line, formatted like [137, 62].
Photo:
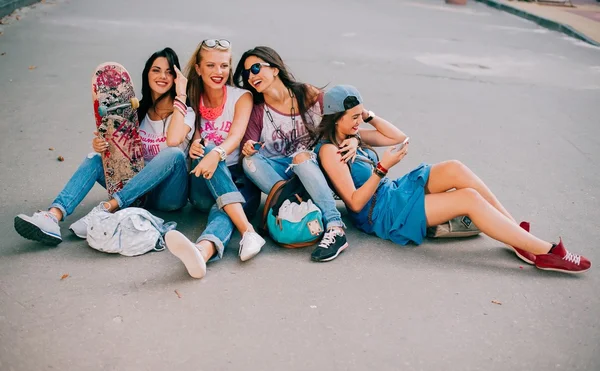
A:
[516, 102]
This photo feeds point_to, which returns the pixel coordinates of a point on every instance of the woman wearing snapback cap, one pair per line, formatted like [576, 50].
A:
[401, 210]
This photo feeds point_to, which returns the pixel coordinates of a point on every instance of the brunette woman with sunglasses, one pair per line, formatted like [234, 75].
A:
[276, 143]
[216, 183]
[400, 210]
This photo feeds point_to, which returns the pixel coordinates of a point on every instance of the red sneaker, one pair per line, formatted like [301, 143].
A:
[560, 260]
[526, 256]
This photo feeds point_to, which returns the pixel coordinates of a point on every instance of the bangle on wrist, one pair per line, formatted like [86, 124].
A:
[369, 117]
[221, 151]
[379, 173]
[381, 168]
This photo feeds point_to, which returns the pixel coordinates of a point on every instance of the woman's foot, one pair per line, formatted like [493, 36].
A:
[79, 228]
[560, 260]
[41, 226]
[332, 244]
[250, 245]
[187, 252]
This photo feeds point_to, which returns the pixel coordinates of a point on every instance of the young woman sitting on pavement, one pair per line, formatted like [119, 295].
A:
[165, 130]
[276, 142]
[401, 210]
[216, 182]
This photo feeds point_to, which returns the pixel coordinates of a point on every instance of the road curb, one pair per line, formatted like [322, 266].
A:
[544, 22]
[9, 6]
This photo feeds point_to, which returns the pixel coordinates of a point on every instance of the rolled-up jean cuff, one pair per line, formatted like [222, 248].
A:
[218, 245]
[118, 199]
[230, 198]
[62, 210]
[335, 223]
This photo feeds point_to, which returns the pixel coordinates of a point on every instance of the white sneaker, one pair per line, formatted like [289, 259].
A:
[250, 245]
[80, 226]
[187, 252]
[41, 226]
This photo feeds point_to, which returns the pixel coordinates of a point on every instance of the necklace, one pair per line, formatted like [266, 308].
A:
[287, 142]
[212, 113]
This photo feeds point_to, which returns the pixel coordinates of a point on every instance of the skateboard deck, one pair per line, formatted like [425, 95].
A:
[117, 122]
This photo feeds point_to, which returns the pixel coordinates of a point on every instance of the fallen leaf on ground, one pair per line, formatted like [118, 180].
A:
[51, 149]
[520, 266]
[178, 294]
[32, 67]
[60, 158]
[18, 17]
[64, 276]
[496, 302]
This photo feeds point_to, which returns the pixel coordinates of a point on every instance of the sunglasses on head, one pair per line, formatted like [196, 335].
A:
[213, 43]
[255, 69]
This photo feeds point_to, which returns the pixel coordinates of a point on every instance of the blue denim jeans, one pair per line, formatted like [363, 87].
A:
[265, 172]
[163, 180]
[227, 185]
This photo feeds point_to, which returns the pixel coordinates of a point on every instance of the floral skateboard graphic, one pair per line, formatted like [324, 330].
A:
[115, 107]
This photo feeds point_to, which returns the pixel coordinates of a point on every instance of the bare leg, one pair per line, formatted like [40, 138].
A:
[441, 207]
[237, 215]
[452, 174]
[207, 249]
[56, 212]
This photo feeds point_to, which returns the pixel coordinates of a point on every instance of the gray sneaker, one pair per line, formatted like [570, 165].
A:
[41, 226]
[80, 226]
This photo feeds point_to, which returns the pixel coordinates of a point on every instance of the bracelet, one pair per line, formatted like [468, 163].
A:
[221, 151]
[179, 110]
[381, 168]
[379, 173]
[180, 100]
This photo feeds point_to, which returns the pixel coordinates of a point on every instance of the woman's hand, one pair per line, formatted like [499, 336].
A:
[180, 83]
[99, 144]
[196, 149]
[348, 149]
[391, 158]
[248, 149]
[206, 167]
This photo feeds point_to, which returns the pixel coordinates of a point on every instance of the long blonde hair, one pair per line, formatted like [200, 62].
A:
[195, 86]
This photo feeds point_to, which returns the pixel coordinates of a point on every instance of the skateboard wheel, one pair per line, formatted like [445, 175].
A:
[102, 111]
[135, 103]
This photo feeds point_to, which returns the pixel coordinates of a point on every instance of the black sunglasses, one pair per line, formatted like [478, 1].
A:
[213, 43]
[255, 69]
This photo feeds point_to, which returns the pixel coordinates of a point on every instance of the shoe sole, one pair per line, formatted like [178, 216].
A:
[185, 251]
[562, 270]
[521, 256]
[250, 256]
[32, 232]
[78, 235]
[341, 249]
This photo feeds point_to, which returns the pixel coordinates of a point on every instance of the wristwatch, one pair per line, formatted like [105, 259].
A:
[221, 152]
[370, 117]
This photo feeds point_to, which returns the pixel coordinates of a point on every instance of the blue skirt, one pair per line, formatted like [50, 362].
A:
[397, 210]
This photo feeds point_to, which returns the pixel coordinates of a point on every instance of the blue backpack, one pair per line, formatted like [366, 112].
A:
[305, 229]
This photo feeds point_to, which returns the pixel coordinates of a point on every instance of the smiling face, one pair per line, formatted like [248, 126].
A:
[160, 77]
[348, 124]
[265, 76]
[214, 67]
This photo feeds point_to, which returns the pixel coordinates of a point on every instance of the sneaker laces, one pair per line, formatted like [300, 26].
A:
[573, 258]
[328, 238]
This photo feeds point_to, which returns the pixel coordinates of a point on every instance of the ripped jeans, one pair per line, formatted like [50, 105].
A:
[265, 172]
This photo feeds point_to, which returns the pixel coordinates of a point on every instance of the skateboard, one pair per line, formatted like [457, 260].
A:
[115, 107]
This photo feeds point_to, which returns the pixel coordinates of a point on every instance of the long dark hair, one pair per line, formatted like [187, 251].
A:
[195, 86]
[146, 103]
[305, 94]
